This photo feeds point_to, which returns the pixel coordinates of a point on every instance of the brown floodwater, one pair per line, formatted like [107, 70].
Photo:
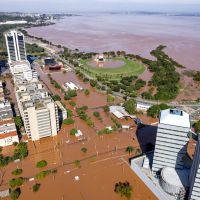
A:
[134, 33]
[107, 64]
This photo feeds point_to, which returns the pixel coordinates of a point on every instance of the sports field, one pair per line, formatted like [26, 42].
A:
[130, 67]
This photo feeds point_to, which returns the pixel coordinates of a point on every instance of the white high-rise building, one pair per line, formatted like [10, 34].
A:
[38, 110]
[194, 179]
[15, 46]
[171, 140]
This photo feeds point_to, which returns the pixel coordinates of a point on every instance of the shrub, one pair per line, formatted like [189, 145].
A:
[42, 163]
[17, 172]
[36, 187]
[68, 121]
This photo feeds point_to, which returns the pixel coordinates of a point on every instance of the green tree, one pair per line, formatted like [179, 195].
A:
[72, 103]
[154, 110]
[77, 163]
[21, 151]
[36, 187]
[73, 131]
[124, 189]
[130, 106]
[84, 149]
[110, 98]
[129, 149]
[86, 92]
[18, 122]
[68, 121]
[14, 194]
[16, 182]
[42, 163]
[106, 108]
[56, 98]
[17, 172]
[96, 114]
[57, 85]
[93, 83]
[197, 127]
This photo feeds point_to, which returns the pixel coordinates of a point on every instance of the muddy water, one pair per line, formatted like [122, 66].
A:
[107, 64]
[133, 33]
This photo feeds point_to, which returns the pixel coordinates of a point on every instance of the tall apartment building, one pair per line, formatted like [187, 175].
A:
[38, 110]
[171, 140]
[19, 66]
[194, 178]
[15, 46]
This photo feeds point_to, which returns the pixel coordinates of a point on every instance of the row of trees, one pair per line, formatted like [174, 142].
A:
[20, 152]
[165, 78]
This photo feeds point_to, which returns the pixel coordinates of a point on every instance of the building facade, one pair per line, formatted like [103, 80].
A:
[171, 140]
[15, 46]
[8, 132]
[194, 178]
[38, 110]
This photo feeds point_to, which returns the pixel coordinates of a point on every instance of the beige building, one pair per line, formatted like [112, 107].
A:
[38, 110]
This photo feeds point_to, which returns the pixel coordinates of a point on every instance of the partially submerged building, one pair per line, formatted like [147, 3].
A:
[171, 140]
[8, 132]
[194, 193]
[38, 110]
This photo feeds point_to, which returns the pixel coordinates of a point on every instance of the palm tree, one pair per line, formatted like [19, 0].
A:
[129, 149]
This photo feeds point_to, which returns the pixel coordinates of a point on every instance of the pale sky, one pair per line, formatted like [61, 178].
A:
[99, 5]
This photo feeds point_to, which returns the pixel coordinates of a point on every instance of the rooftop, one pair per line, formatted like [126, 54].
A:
[5, 110]
[31, 93]
[175, 117]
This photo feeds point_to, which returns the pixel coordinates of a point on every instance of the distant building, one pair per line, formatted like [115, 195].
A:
[194, 178]
[51, 64]
[38, 110]
[171, 140]
[142, 106]
[14, 22]
[15, 46]
[100, 58]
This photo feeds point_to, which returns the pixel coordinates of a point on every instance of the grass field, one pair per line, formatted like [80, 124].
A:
[129, 68]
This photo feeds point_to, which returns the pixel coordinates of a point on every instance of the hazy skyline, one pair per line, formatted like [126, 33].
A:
[99, 5]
